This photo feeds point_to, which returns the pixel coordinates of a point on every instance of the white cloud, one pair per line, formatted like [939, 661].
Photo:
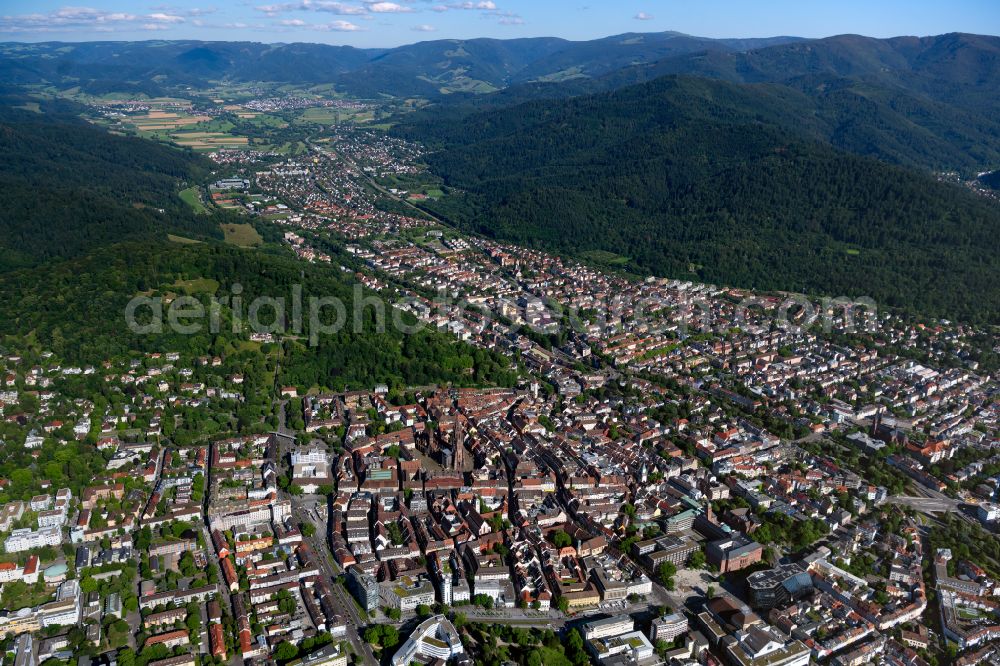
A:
[166, 18]
[184, 11]
[424, 28]
[67, 19]
[342, 26]
[334, 7]
[643, 16]
[328, 6]
[286, 25]
[483, 5]
[388, 8]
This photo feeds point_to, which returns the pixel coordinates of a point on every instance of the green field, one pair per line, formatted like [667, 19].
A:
[190, 197]
[327, 115]
[289, 148]
[243, 235]
[604, 257]
[266, 121]
[197, 286]
[181, 239]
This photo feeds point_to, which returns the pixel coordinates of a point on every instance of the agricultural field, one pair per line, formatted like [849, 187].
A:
[173, 121]
[209, 140]
[164, 121]
[329, 115]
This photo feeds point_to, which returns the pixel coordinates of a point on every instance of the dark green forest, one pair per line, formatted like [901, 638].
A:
[83, 230]
[76, 308]
[67, 186]
[684, 179]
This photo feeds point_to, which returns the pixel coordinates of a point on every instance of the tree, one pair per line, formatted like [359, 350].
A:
[285, 652]
[390, 636]
[697, 559]
[308, 529]
[561, 539]
[126, 657]
[193, 623]
[666, 573]
[575, 651]
[186, 564]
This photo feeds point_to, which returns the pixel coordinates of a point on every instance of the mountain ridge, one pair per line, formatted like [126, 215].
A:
[682, 172]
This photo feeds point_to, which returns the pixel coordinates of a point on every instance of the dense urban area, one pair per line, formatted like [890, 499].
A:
[657, 471]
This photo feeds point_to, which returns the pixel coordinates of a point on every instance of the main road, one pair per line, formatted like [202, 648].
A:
[304, 509]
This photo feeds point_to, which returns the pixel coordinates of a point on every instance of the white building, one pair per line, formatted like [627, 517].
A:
[434, 638]
[51, 518]
[312, 456]
[633, 644]
[764, 646]
[406, 593]
[10, 571]
[330, 655]
[65, 610]
[612, 626]
[26, 539]
[988, 512]
[500, 591]
[669, 627]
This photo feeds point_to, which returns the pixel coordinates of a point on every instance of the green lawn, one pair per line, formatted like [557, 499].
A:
[243, 235]
[181, 239]
[604, 257]
[191, 197]
[197, 285]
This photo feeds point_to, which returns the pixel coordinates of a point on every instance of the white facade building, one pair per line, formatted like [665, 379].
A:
[26, 539]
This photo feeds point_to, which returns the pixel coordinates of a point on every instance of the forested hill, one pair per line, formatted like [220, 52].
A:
[67, 186]
[857, 94]
[682, 180]
[954, 68]
[76, 309]
[429, 68]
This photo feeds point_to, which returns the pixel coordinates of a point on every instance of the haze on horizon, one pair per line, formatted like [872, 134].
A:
[384, 23]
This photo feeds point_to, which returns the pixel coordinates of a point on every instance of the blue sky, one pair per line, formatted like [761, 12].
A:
[371, 23]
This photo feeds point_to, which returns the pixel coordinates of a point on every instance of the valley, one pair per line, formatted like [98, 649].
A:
[647, 350]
